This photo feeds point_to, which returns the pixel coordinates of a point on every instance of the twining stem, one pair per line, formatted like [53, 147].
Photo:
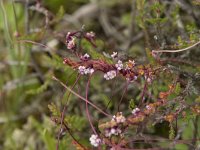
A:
[82, 98]
[86, 104]
[36, 43]
[63, 114]
[176, 51]
[70, 133]
[125, 90]
[143, 93]
[195, 131]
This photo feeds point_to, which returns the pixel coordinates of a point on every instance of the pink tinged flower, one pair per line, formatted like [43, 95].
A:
[114, 118]
[113, 131]
[107, 133]
[68, 36]
[95, 140]
[71, 43]
[119, 131]
[119, 65]
[119, 118]
[135, 111]
[81, 69]
[148, 107]
[90, 35]
[148, 79]
[110, 75]
[114, 55]
[89, 71]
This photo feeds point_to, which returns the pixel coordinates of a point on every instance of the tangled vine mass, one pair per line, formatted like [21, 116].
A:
[114, 132]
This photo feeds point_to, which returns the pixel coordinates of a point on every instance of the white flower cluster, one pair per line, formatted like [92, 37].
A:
[110, 75]
[119, 118]
[95, 140]
[135, 111]
[114, 54]
[83, 70]
[112, 131]
[116, 130]
[119, 65]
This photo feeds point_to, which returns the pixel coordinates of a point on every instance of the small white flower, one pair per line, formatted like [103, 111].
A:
[90, 34]
[148, 107]
[113, 131]
[130, 64]
[114, 54]
[135, 111]
[110, 75]
[155, 37]
[149, 80]
[119, 65]
[86, 56]
[91, 71]
[113, 118]
[95, 140]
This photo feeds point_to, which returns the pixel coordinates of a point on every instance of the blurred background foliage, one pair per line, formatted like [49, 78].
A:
[29, 96]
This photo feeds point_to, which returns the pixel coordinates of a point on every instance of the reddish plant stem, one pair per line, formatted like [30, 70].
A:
[63, 114]
[176, 51]
[36, 43]
[70, 133]
[82, 98]
[125, 90]
[86, 104]
[143, 93]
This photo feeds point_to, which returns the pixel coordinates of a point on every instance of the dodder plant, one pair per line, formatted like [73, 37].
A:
[153, 106]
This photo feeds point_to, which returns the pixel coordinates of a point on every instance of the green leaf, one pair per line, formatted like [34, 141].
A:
[171, 132]
[181, 147]
[106, 100]
[39, 90]
[178, 88]
[75, 122]
[54, 110]
[131, 104]
[60, 13]
[48, 139]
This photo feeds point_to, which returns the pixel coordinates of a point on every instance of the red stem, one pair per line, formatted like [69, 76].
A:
[82, 98]
[63, 114]
[86, 104]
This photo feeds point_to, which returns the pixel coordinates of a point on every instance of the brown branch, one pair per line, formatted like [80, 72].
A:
[176, 51]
